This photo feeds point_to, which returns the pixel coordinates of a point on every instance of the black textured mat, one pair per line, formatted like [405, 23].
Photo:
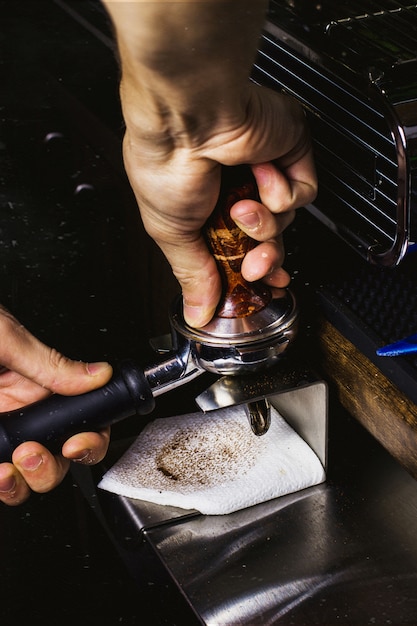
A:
[369, 305]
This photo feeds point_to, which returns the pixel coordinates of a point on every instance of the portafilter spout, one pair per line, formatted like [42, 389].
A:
[253, 325]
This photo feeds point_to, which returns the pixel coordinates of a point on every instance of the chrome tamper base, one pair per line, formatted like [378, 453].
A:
[240, 345]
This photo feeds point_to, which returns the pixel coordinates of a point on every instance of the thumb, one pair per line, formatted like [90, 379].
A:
[198, 276]
[24, 354]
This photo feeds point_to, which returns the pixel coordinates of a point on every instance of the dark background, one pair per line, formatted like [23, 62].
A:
[78, 270]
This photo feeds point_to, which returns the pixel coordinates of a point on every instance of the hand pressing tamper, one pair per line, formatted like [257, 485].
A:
[250, 331]
[251, 327]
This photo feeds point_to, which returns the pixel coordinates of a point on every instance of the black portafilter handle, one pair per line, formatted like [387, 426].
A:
[52, 421]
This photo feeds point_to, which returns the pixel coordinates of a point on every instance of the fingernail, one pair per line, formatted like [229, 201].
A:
[83, 456]
[248, 220]
[196, 316]
[7, 484]
[31, 462]
[94, 369]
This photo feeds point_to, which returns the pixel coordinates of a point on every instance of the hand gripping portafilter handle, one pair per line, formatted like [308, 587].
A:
[229, 245]
[52, 421]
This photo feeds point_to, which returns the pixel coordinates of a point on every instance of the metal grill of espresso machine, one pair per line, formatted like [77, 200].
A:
[353, 67]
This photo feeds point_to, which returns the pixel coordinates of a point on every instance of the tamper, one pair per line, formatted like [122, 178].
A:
[251, 327]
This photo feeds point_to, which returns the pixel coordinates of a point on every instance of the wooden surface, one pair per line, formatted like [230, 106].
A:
[369, 396]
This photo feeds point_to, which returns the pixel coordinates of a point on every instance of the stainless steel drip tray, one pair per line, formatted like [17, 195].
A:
[308, 559]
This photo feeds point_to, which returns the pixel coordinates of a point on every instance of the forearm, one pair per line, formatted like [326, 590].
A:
[185, 65]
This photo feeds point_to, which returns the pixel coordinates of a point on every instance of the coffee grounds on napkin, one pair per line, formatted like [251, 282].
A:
[213, 463]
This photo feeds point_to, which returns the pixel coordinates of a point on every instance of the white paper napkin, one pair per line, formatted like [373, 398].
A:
[213, 463]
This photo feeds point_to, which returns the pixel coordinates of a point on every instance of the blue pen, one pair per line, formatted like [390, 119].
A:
[403, 346]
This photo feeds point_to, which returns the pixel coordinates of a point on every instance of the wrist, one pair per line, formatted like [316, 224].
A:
[185, 65]
[179, 120]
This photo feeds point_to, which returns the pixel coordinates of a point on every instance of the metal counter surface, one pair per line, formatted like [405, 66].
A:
[344, 552]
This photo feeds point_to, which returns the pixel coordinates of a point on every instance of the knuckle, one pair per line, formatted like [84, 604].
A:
[54, 357]
[48, 481]
[53, 373]
[57, 361]
[9, 326]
